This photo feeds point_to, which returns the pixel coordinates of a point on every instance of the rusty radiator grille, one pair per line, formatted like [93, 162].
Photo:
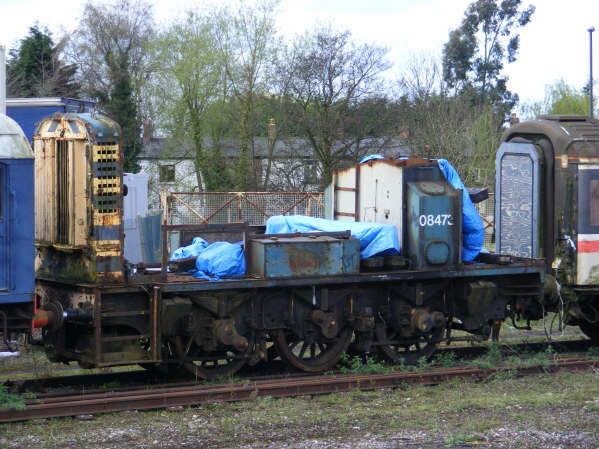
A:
[63, 211]
[106, 183]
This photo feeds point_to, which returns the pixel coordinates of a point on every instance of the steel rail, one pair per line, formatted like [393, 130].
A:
[94, 403]
[143, 379]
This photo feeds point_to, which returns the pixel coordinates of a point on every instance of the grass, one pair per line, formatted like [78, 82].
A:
[561, 402]
[446, 359]
[459, 439]
[359, 365]
[10, 401]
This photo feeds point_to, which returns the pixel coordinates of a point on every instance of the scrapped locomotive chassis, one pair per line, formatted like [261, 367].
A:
[212, 328]
[305, 298]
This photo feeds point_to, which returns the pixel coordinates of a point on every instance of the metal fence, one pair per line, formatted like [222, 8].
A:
[486, 209]
[257, 207]
[230, 207]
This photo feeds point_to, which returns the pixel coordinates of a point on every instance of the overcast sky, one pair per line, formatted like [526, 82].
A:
[554, 45]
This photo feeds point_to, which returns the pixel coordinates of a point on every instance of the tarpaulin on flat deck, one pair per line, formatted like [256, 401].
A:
[375, 238]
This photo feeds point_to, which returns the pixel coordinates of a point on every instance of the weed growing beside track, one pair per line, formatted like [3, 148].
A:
[552, 410]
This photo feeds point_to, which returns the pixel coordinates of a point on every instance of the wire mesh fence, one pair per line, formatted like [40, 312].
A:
[257, 207]
[486, 210]
[231, 207]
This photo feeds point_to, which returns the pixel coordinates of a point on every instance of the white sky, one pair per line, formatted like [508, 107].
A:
[553, 46]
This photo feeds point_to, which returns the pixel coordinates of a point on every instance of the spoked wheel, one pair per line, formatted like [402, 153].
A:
[311, 354]
[407, 350]
[214, 365]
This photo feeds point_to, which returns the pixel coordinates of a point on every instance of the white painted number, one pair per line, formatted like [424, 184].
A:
[435, 220]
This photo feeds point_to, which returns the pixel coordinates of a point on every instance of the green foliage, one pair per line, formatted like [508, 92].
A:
[459, 439]
[121, 107]
[446, 359]
[560, 98]
[476, 52]
[593, 352]
[10, 401]
[491, 359]
[189, 76]
[35, 67]
[358, 365]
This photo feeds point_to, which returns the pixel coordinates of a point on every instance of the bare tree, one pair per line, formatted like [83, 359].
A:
[437, 124]
[326, 73]
[110, 47]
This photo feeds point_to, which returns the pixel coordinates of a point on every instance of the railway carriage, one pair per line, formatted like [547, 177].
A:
[16, 231]
[548, 206]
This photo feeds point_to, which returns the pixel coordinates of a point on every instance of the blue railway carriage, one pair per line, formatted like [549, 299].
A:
[16, 230]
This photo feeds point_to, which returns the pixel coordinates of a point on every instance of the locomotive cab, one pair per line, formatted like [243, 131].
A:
[78, 178]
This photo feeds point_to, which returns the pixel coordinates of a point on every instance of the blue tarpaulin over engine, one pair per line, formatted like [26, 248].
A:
[375, 238]
[473, 230]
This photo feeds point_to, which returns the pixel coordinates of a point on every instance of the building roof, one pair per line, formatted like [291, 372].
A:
[13, 143]
[45, 101]
[294, 147]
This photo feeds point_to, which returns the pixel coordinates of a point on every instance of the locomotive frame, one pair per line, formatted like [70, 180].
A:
[212, 328]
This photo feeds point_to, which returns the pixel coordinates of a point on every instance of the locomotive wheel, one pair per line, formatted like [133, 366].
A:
[591, 330]
[213, 365]
[407, 350]
[311, 355]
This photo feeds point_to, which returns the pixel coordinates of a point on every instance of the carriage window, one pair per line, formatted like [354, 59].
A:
[594, 200]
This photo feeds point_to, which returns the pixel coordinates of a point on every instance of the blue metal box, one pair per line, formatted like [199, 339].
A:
[289, 257]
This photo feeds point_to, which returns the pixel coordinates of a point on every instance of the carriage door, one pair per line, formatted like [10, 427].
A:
[518, 200]
[4, 240]
[588, 225]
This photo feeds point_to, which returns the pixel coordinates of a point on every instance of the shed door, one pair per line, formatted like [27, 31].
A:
[4, 242]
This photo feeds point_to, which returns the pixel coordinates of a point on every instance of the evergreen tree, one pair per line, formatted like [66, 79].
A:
[35, 67]
[474, 56]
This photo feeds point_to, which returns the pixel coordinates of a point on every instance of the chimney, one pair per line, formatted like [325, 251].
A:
[148, 132]
[2, 80]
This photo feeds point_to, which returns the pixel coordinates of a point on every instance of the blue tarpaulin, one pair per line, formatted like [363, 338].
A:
[371, 157]
[215, 260]
[198, 244]
[375, 238]
[220, 259]
[473, 230]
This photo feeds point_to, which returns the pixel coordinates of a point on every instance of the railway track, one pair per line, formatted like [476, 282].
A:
[98, 382]
[171, 396]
